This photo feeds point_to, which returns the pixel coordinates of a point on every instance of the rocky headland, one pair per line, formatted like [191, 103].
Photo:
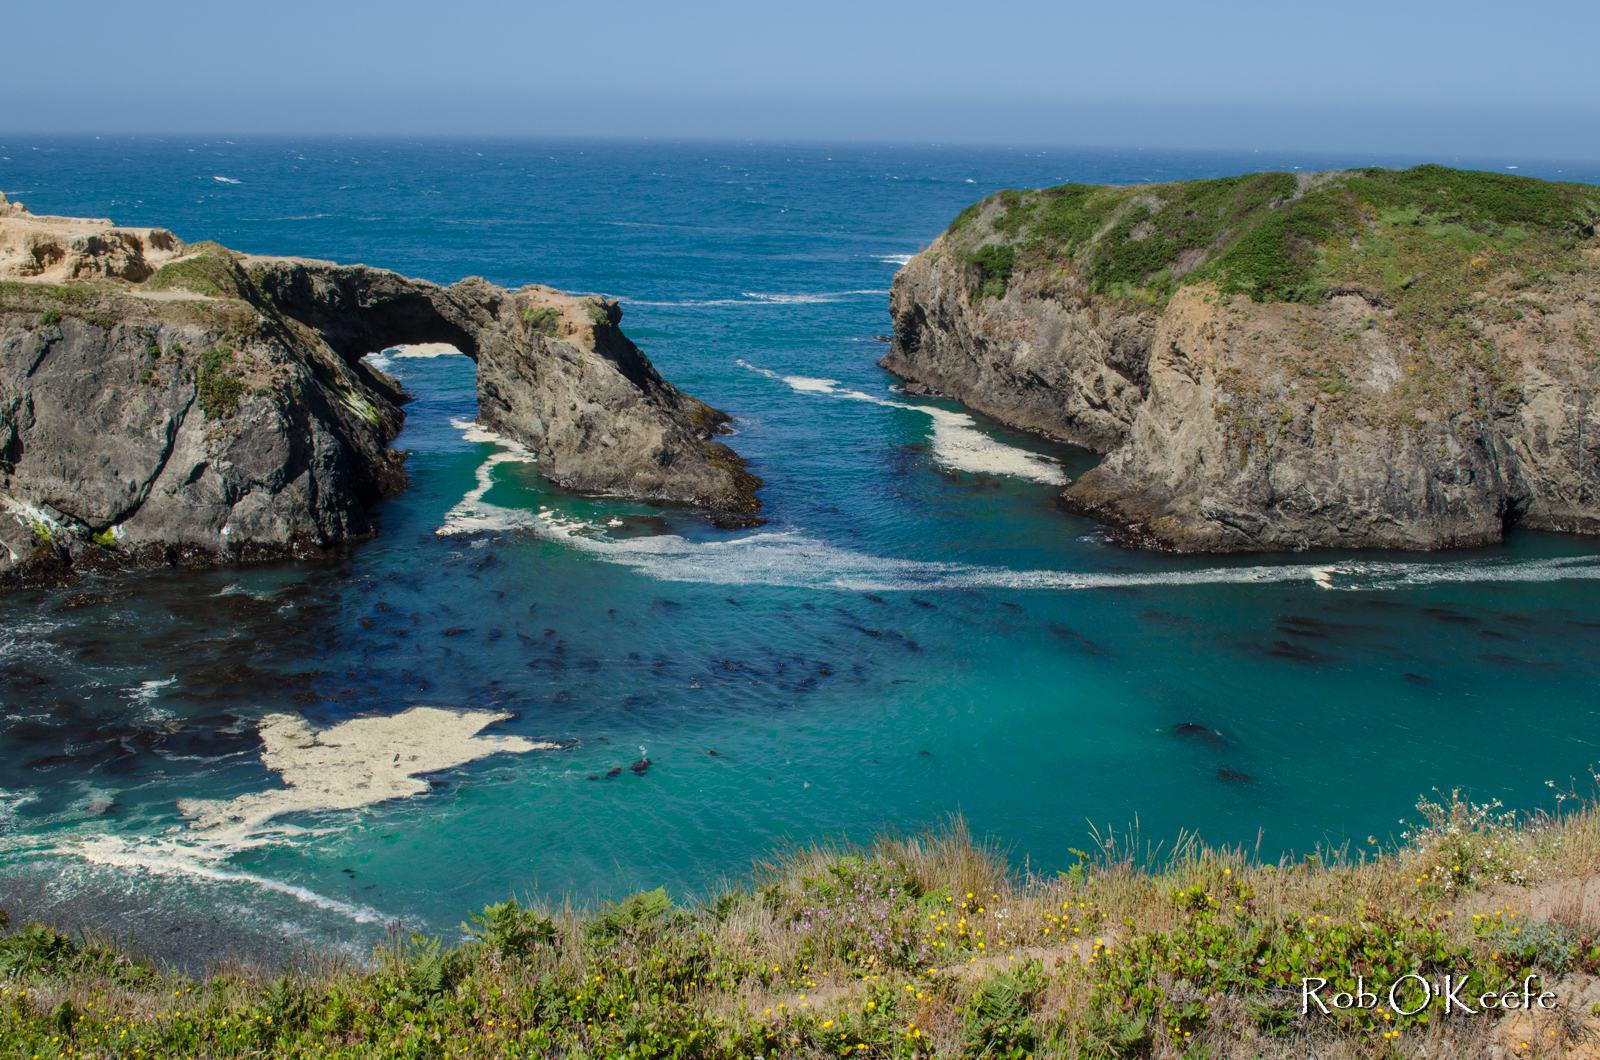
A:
[1373, 358]
[164, 403]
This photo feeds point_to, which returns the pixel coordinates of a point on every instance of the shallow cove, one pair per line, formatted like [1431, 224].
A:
[899, 603]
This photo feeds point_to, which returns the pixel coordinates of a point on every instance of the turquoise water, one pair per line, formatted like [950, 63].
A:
[917, 632]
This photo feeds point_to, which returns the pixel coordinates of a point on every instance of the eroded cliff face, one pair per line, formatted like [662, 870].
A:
[1287, 426]
[1394, 374]
[1055, 365]
[163, 403]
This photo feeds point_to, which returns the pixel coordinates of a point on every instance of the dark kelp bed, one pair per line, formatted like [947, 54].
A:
[924, 946]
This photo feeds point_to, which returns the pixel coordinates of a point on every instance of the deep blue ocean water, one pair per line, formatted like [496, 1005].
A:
[917, 632]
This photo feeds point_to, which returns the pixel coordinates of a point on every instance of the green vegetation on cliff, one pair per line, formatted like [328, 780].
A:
[1413, 237]
[911, 948]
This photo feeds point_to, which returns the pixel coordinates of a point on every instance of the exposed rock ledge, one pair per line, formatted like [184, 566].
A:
[1279, 361]
[164, 403]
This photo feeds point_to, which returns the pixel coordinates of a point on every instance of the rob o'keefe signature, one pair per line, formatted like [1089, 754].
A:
[1410, 994]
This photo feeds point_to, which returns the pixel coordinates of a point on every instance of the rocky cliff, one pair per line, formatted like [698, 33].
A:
[172, 403]
[1374, 358]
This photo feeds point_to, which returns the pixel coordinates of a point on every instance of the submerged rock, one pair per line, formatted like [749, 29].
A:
[164, 403]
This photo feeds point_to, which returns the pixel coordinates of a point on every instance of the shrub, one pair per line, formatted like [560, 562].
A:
[1462, 843]
[35, 949]
[543, 321]
[508, 929]
[997, 1021]
[218, 392]
[634, 916]
[994, 264]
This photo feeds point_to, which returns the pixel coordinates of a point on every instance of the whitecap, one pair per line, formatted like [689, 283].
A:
[227, 180]
[150, 690]
[898, 259]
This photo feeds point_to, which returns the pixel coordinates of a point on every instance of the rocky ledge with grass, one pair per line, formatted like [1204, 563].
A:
[1373, 358]
[916, 948]
[164, 403]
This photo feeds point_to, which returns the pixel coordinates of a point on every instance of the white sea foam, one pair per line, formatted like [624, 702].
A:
[472, 515]
[759, 298]
[227, 180]
[957, 442]
[354, 764]
[150, 690]
[898, 259]
[807, 385]
[809, 299]
[162, 856]
[792, 559]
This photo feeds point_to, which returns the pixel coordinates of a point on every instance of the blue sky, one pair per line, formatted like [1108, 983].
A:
[1464, 77]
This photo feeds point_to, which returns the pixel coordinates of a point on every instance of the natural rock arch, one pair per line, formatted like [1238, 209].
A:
[218, 405]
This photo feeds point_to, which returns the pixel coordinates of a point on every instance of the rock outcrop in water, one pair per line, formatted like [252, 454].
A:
[172, 403]
[1374, 358]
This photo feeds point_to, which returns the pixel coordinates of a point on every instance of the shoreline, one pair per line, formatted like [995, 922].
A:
[922, 946]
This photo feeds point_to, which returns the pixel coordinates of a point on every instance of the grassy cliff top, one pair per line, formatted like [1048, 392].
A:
[914, 947]
[1279, 236]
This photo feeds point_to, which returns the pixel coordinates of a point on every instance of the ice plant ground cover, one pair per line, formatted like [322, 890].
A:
[923, 946]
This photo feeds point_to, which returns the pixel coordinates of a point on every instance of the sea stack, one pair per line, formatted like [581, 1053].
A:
[1376, 358]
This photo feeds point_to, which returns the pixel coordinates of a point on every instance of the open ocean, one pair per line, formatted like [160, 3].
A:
[917, 632]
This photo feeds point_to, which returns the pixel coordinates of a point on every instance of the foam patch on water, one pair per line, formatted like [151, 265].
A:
[898, 259]
[355, 763]
[808, 299]
[793, 560]
[957, 442]
[472, 515]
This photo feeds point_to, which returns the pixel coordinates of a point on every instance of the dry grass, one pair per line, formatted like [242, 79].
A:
[921, 945]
